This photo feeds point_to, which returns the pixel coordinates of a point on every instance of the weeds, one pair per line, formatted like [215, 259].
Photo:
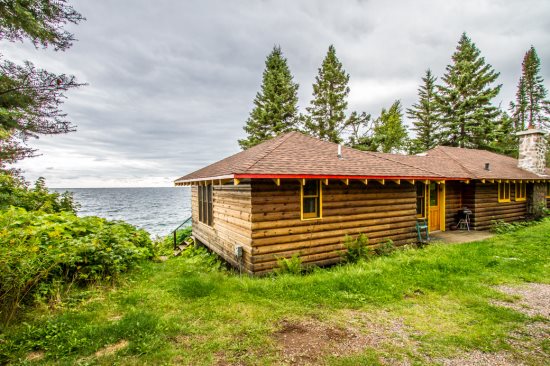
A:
[386, 248]
[502, 227]
[356, 248]
[292, 265]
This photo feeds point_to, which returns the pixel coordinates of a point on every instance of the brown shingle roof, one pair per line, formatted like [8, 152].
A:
[296, 154]
[473, 161]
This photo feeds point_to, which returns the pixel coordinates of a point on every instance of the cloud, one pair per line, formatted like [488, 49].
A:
[171, 84]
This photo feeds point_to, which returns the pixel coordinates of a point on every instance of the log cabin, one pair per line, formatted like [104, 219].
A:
[295, 194]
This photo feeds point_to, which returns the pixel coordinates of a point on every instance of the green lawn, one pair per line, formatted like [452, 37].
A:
[420, 304]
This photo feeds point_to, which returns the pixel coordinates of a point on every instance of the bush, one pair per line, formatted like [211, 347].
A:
[41, 252]
[14, 191]
[356, 248]
[386, 248]
[292, 265]
[502, 227]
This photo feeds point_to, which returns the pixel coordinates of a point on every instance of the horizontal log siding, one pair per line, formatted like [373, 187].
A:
[453, 202]
[380, 212]
[487, 208]
[231, 225]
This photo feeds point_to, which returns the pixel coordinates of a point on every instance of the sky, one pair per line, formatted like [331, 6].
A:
[171, 83]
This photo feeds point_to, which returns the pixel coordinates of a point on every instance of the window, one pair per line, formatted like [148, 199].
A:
[521, 191]
[205, 204]
[434, 197]
[420, 200]
[548, 190]
[504, 192]
[311, 200]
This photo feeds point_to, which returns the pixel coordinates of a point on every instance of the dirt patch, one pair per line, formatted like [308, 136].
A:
[533, 299]
[35, 356]
[306, 342]
[478, 358]
[111, 349]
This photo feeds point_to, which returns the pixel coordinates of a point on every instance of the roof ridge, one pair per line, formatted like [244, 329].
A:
[456, 160]
[268, 151]
[372, 153]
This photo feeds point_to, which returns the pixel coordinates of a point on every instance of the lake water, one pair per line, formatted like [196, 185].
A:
[157, 210]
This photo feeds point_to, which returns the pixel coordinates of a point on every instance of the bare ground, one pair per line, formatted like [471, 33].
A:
[308, 342]
[533, 300]
[112, 348]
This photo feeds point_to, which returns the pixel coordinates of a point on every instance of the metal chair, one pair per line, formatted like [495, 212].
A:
[422, 224]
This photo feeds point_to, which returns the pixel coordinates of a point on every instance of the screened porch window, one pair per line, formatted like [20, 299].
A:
[205, 204]
[311, 199]
[521, 191]
[504, 192]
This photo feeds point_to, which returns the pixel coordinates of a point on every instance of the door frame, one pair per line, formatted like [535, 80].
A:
[441, 203]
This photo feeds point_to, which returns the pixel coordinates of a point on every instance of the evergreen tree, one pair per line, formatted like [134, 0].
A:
[464, 100]
[362, 130]
[425, 116]
[276, 105]
[503, 137]
[519, 108]
[531, 107]
[390, 134]
[327, 119]
[31, 98]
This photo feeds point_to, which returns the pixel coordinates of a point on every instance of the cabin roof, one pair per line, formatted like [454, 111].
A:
[295, 155]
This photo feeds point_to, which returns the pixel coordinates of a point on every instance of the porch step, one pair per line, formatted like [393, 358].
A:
[181, 247]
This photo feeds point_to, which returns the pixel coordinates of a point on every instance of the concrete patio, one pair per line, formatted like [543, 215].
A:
[460, 236]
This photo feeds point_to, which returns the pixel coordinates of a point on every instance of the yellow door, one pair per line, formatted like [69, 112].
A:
[433, 207]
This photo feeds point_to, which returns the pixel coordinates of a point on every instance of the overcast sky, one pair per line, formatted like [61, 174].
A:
[171, 83]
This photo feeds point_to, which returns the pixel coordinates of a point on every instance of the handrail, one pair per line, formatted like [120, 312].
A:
[174, 233]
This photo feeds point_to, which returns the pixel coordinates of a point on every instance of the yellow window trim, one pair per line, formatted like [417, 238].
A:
[505, 198]
[547, 190]
[426, 192]
[521, 191]
[320, 195]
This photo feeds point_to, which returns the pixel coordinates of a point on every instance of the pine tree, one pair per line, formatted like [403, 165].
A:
[276, 105]
[390, 134]
[519, 108]
[362, 129]
[531, 107]
[503, 137]
[464, 100]
[327, 118]
[31, 98]
[425, 116]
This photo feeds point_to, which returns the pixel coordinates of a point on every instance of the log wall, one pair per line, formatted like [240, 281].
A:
[231, 224]
[487, 208]
[453, 202]
[379, 211]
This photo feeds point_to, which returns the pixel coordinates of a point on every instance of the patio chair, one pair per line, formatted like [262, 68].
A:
[422, 224]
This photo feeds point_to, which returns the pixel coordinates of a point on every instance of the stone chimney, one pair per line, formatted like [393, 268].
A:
[532, 151]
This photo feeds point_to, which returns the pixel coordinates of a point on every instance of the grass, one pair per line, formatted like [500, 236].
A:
[185, 311]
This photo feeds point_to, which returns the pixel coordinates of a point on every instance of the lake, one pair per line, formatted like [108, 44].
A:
[157, 210]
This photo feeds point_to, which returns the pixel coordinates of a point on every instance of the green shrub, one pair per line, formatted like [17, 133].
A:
[356, 248]
[386, 248]
[502, 227]
[14, 191]
[43, 252]
[292, 265]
